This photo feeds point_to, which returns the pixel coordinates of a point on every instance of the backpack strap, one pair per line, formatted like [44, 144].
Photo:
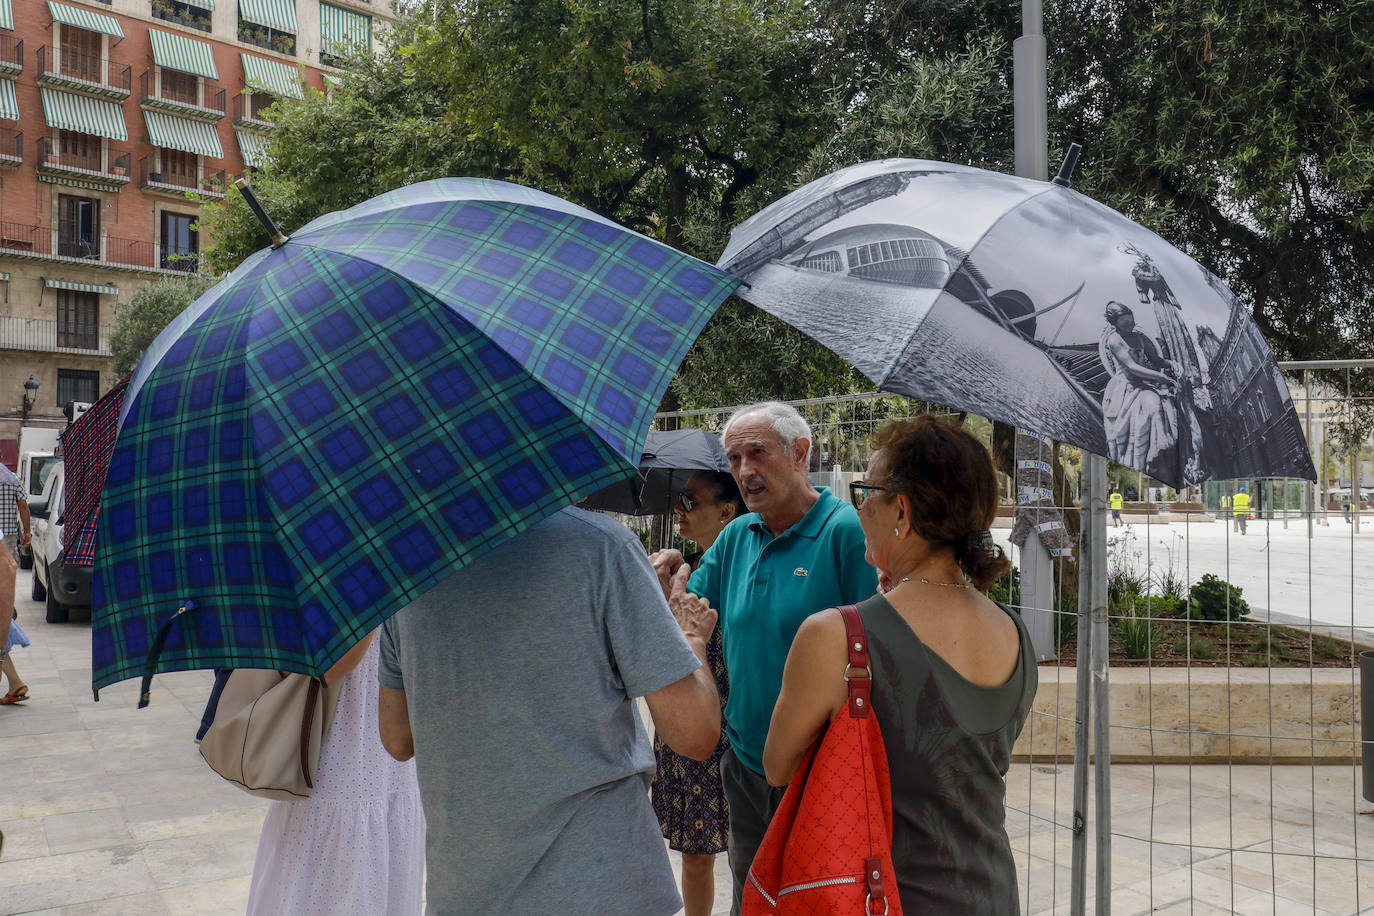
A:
[857, 674]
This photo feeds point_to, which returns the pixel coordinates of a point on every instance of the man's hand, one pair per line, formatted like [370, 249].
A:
[666, 563]
[694, 614]
[25, 539]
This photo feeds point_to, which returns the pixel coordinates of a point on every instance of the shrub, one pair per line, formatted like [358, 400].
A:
[1269, 645]
[1135, 633]
[1007, 589]
[1165, 606]
[1197, 647]
[1326, 647]
[1065, 628]
[1124, 589]
[1213, 598]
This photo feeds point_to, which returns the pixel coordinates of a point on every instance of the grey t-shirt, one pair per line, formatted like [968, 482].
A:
[519, 672]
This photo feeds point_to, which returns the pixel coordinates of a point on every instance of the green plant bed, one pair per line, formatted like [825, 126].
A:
[1204, 644]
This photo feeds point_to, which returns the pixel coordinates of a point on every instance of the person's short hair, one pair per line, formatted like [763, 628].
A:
[724, 489]
[947, 475]
[785, 419]
[1116, 309]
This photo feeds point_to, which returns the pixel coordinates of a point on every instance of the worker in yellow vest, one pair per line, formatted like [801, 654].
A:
[1225, 512]
[1241, 508]
[1116, 503]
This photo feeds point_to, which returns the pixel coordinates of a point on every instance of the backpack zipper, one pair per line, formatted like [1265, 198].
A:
[812, 885]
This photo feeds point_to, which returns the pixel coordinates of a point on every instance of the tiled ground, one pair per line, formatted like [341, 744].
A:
[108, 809]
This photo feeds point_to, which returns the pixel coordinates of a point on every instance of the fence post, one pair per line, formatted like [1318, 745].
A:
[1092, 538]
[1095, 504]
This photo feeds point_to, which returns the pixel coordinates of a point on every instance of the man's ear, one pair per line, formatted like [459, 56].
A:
[800, 451]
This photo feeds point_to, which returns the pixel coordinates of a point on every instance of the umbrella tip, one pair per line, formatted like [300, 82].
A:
[1065, 176]
[278, 239]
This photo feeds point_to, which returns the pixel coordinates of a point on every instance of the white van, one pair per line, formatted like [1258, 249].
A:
[61, 585]
[34, 470]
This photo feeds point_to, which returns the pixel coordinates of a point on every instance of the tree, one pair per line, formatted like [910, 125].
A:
[149, 310]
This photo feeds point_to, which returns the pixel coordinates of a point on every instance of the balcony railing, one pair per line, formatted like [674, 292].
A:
[84, 73]
[208, 108]
[11, 148]
[211, 184]
[42, 335]
[248, 115]
[42, 243]
[89, 169]
[11, 55]
[182, 14]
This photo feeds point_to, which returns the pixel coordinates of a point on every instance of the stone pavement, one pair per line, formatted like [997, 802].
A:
[108, 810]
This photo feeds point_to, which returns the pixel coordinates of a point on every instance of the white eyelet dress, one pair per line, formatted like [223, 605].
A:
[357, 844]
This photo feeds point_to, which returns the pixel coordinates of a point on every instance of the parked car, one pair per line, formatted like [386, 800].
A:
[34, 470]
[63, 586]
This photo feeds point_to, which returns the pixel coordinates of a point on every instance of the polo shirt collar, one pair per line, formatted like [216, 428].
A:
[811, 523]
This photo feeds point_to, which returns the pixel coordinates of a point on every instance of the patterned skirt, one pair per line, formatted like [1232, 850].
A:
[687, 794]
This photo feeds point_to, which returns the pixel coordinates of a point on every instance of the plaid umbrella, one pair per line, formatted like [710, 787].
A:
[86, 448]
[351, 416]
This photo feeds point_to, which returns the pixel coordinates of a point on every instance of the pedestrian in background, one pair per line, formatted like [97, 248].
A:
[14, 531]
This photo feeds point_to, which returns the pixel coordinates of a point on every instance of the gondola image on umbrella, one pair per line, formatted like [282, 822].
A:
[1026, 302]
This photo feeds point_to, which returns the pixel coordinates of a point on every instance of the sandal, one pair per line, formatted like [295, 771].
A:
[17, 695]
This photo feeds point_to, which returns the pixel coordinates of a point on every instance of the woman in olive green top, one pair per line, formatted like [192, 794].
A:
[953, 672]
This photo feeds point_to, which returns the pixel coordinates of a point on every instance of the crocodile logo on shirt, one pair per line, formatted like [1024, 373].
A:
[799, 572]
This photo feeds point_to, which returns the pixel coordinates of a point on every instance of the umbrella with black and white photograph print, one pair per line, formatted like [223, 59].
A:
[1030, 303]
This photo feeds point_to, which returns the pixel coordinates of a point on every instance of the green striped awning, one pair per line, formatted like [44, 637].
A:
[344, 31]
[9, 107]
[4, 277]
[270, 76]
[53, 283]
[84, 19]
[253, 148]
[67, 111]
[275, 14]
[6, 15]
[171, 132]
[201, 4]
[177, 52]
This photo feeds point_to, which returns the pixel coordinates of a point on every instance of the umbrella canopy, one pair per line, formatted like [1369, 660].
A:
[668, 461]
[86, 448]
[1026, 302]
[352, 415]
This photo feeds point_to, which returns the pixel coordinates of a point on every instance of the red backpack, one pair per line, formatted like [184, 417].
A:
[828, 848]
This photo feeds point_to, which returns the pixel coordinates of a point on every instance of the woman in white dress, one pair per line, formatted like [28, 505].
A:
[357, 844]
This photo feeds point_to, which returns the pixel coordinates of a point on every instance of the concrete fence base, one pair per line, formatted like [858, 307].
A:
[1206, 715]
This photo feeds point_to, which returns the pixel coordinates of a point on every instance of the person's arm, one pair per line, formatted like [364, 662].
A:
[1122, 352]
[350, 660]
[25, 523]
[813, 690]
[393, 721]
[686, 713]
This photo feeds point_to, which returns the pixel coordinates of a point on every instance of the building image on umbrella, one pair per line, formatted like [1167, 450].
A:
[1025, 302]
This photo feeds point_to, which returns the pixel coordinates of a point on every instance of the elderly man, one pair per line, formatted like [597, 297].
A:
[800, 550]
[512, 683]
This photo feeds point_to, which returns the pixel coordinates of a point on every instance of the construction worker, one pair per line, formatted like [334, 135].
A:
[1116, 503]
[1225, 512]
[1241, 506]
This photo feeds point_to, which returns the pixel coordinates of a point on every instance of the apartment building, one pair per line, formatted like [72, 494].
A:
[117, 119]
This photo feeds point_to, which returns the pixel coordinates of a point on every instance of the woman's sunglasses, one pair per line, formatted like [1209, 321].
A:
[685, 500]
[859, 492]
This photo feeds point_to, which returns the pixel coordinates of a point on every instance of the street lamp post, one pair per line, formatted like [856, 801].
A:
[30, 397]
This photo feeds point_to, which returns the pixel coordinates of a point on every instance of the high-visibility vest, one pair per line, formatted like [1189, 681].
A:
[1226, 502]
[1116, 500]
[1242, 504]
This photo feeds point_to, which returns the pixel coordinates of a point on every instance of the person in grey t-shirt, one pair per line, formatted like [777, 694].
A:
[512, 683]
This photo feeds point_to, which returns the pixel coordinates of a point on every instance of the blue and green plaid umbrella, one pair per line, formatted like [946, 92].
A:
[351, 416]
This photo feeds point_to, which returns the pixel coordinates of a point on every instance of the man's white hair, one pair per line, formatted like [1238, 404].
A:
[786, 421]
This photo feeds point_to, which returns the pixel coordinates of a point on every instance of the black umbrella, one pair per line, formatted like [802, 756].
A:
[668, 461]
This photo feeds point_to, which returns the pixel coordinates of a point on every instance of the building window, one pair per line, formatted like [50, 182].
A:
[78, 320]
[180, 87]
[180, 241]
[77, 385]
[179, 168]
[78, 227]
[264, 37]
[182, 14]
[81, 54]
[82, 151]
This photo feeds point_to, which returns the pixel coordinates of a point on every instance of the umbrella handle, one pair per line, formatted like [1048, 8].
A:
[154, 653]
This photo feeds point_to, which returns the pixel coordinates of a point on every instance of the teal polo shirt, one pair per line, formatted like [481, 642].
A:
[764, 587]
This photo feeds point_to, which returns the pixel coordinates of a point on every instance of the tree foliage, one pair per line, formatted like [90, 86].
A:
[148, 311]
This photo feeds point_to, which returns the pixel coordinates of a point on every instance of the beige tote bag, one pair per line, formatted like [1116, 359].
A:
[267, 732]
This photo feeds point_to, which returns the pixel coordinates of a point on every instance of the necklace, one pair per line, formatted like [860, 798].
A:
[924, 580]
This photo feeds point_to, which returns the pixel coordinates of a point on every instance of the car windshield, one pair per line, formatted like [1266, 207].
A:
[40, 471]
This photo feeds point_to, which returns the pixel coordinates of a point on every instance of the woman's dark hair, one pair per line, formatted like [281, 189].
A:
[947, 475]
[725, 489]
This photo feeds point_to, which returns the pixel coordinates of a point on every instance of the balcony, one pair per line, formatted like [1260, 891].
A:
[11, 148]
[11, 55]
[152, 181]
[175, 11]
[84, 73]
[208, 108]
[42, 243]
[248, 113]
[37, 334]
[81, 171]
